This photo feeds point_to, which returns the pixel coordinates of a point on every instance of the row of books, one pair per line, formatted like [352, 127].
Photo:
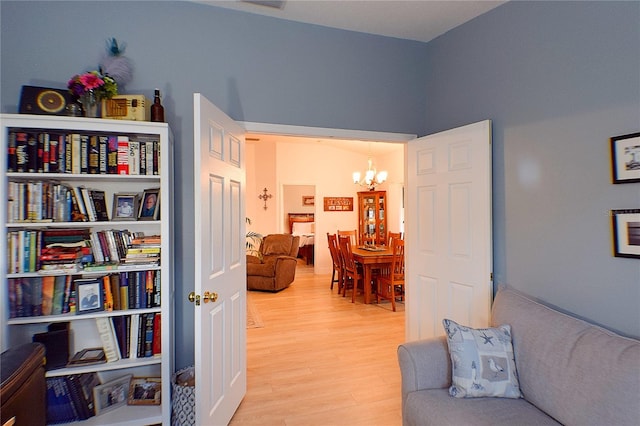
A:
[51, 201]
[70, 398]
[55, 295]
[131, 336]
[59, 151]
[52, 250]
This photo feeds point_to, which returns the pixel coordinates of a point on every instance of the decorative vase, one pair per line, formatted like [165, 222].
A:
[89, 103]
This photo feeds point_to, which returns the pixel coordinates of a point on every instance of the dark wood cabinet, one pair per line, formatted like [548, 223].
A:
[372, 217]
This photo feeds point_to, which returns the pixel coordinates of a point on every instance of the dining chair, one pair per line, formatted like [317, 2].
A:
[352, 274]
[355, 241]
[392, 235]
[391, 278]
[335, 258]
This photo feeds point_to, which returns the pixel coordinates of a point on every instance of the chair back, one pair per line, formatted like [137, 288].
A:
[397, 264]
[333, 250]
[353, 235]
[344, 242]
[393, 235]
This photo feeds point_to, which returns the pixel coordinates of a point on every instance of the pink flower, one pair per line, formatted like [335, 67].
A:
[91, 81]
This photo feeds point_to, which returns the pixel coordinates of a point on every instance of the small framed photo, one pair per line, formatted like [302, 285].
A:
[150, 205]
[308, 200]
[625, 158]
[88, 356]
[88, 296]
[125, 206]
[112, 394]
[626, 233]
[145, 391]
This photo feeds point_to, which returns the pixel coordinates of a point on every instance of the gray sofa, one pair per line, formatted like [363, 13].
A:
[570, 372]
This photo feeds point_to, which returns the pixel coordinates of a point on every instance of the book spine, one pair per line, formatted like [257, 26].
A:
[54, 155]
[84, 154]
[143, 158]
[94, 155]
[46, 152]
[103, 154]
[76, 153]
[112, 155]
[114, 281]
[32, 149]
[66, 306]
[123, 155]
[108, 296]
[77, 397]
[107, 335]
[22, 153]
[150, 154]
[134, 158]
[148, 335]
[12, 161]
[133, 336]
[157, 334]
[88, 204]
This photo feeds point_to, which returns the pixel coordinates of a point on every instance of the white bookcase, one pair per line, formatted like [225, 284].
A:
[83, 327]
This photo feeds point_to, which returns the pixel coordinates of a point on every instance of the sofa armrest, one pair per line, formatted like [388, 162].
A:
[424, 364]
[285, 270]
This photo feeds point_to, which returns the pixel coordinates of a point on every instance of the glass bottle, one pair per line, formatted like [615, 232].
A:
[157, 110]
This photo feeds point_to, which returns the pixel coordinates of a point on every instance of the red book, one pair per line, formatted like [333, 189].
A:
[123, 155]
[157, 343]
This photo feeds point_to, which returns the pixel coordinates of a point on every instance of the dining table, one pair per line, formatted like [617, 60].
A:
[371, 258]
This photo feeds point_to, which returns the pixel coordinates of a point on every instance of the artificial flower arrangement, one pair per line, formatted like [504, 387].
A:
[114, 69]
[103, 86]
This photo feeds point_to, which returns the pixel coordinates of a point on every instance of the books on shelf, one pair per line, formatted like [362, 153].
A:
[70, 398]
[56, 295]
[56, 151]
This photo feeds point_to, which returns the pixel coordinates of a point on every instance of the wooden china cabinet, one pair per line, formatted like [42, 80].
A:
[372, 217]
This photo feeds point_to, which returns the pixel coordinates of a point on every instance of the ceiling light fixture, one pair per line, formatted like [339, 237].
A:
[372, 177]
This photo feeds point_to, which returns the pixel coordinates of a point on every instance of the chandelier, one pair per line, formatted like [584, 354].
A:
[371, 178]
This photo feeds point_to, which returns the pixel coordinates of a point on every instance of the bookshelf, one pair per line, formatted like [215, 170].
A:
[39, 205]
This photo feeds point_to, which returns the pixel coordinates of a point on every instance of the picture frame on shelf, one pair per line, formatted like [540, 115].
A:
[150, 205]
[625, 158]
[88, 296]
[88, 356]
[145, 391]
[125, 206]
[626, 233]
[111, 395]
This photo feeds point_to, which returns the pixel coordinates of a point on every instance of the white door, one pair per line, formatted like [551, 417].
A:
[220, 262]
[448, 230]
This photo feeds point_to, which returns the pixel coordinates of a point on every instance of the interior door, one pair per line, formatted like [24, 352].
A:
[449, 255]
[220, 262]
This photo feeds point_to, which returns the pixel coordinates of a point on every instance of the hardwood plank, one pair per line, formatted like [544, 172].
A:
[320, 359]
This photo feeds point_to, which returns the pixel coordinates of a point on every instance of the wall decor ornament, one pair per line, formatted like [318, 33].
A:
[625, 158]
[626, 233]
[264, 197]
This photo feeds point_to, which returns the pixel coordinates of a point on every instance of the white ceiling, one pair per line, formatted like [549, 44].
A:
[421, 20]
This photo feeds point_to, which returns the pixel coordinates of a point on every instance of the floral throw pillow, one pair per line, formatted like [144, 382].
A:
[482, 360]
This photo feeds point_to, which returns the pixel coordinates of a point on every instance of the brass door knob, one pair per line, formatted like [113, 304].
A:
[210, 296]
[193, 297]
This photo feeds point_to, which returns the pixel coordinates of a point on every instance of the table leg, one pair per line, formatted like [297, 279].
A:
[367, 283]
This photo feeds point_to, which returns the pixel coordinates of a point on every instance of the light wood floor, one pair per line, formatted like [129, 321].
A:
[322, 360]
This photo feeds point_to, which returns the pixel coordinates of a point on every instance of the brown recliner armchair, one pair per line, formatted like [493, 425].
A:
[277, 268]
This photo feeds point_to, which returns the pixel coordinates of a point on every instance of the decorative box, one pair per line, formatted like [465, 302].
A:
[127, 107]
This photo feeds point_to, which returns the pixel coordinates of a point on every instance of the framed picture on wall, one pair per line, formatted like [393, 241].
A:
[626, 233]
[308, 200]
[625, 158]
